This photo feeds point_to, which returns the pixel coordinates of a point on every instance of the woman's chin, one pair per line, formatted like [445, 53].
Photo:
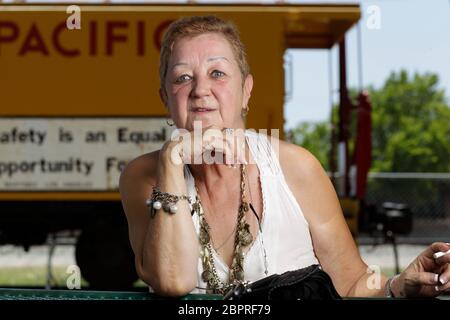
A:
[205, 122]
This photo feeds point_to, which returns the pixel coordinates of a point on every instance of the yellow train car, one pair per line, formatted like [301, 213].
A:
[79, 98]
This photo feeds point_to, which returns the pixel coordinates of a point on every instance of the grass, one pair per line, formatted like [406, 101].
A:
[33, 276]
[36, 276]
[389, 272]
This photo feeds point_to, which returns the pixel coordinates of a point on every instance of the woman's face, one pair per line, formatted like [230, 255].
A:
[204, 83]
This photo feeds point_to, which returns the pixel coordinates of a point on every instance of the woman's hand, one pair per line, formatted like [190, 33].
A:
[425, 276]
[212, 145]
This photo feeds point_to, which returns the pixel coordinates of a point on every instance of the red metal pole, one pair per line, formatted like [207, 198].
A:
[344, 114]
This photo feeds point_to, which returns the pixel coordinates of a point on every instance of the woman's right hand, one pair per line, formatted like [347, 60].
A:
[214, 146]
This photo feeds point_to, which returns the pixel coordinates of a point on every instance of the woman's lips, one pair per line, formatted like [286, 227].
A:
[202, 110]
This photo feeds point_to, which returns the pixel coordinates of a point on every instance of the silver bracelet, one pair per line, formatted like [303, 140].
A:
[388, 288]
[166, 201]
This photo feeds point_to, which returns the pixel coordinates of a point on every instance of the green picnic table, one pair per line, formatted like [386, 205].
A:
[43, 294]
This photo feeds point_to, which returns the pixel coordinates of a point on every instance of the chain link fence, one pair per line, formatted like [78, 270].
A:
[426, 194]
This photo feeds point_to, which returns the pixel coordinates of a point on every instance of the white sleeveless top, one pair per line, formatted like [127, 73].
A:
[285, 231]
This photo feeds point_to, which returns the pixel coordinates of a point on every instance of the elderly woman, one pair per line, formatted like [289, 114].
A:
[267, 208]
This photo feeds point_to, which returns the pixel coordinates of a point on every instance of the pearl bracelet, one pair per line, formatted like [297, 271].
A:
[166, 201]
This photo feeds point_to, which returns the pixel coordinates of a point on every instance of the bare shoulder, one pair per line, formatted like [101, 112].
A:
[298, 163]
[138, 176]
[142, 168]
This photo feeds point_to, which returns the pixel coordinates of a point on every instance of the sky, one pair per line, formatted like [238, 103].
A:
[412, 35]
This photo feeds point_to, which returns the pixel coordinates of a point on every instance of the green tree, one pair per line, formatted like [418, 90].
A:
[410, 126]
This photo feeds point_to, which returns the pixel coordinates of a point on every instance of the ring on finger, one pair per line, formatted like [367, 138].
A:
[229, 130]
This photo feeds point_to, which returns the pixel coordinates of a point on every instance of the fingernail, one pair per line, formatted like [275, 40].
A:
[436, 288]
[436, 278]
[443, 280]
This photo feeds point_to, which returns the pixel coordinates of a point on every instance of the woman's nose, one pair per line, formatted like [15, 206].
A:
[201, 87]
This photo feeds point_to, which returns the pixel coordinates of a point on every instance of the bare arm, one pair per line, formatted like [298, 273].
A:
[333, 244]
[166, 247]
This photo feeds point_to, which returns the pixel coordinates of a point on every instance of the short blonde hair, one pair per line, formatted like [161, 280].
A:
[197, 25]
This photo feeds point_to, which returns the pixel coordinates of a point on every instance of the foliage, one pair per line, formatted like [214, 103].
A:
[410, 126]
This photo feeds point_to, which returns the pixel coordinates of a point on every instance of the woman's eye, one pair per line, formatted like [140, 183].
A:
[182, 78]
[217, 74]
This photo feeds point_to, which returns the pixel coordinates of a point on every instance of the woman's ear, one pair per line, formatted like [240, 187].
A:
[163, 97]
[248, 86]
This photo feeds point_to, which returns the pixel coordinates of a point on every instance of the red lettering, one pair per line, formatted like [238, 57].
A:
[140, 38]
[111, 37]
[93, 38]
[14, 33]
[34, 40]
[28, 45]
[57, 44]
[158, 34]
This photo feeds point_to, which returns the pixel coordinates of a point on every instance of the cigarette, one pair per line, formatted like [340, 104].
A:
[440, 254]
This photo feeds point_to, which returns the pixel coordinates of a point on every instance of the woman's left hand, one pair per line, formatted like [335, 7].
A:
[425, 276]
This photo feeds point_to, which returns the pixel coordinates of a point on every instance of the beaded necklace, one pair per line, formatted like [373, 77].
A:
[243, 238]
